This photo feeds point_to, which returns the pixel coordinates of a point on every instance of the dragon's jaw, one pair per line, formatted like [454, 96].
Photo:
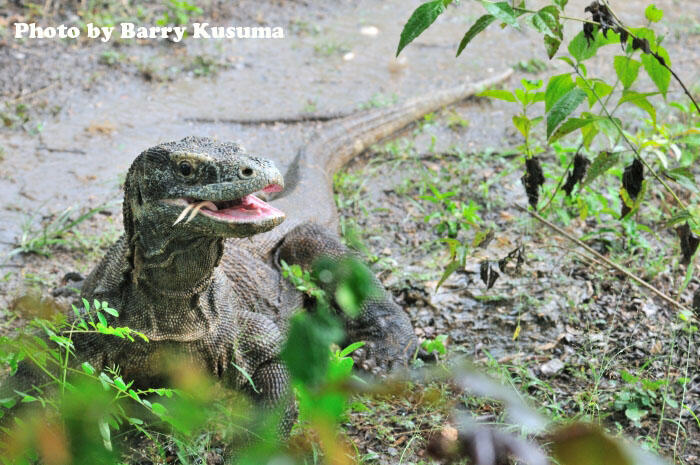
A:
[247, 210]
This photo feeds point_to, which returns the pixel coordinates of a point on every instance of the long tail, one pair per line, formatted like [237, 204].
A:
[309, 178]
[354, 134]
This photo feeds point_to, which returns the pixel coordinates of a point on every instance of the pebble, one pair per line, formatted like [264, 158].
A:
[552, 367]
[370, 31]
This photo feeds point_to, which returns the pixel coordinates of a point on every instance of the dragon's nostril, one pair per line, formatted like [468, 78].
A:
[247, 172]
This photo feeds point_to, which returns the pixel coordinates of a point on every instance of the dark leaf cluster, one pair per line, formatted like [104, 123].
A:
[632, 182]
[581, 164]
[532, 180]
[488, 273]
[689, 243]
[603, 17]
[606, 21]
[516, 254]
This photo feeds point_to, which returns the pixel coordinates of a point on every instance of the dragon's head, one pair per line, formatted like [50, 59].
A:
[198, 187]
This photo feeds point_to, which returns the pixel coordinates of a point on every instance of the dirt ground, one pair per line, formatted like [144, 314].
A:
[563, 329]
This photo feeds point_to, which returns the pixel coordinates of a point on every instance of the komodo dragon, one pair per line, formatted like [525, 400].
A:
[198, 288]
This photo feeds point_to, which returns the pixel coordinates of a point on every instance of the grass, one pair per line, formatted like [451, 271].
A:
[57, 232]
[327, 48]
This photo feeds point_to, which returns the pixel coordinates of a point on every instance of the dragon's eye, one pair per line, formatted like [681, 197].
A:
[185, 168]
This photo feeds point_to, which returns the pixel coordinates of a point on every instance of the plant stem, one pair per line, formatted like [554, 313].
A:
[655, 55]
[634, 149]
[582, 20]
[605, 260]
[580, 146]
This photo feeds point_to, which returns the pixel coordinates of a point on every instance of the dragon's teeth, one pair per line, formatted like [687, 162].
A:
[183, 214]
[209, 205]
[205, 203]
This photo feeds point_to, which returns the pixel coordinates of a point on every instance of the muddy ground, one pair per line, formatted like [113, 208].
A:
[562, 330]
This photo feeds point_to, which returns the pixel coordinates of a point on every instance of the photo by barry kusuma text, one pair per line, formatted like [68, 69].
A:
[127, 30]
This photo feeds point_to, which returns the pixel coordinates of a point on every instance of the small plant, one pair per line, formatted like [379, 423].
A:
[437, 346]
[452, 215]
[178, 13]
[51, 234]
[14, 116]
[455, 121]
[111, 58]
[379, 101]
[204, 65]
[638, 397]
[533, 65]
[328, 48]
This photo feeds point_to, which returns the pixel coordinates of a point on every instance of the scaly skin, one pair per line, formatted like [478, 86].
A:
[201, 291]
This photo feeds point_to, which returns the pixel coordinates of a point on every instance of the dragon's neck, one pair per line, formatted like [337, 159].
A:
[183, 268]
[169, 284]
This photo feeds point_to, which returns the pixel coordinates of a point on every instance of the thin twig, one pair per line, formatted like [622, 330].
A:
[31, 94]
[561, 181]
[62, 150]
[605, 260]
[294, 119]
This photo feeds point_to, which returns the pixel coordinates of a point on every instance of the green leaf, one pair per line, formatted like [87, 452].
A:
[546, 21]
[87, 368]
[453, 266]
[529, 84]
[437, 344]
[347, 299]
[581, 50]
[635, 203]
[627, 70]
[569, 126]
[594, 88]
[246, 375]
[563, 108]
[109, 310]
[589, 132]
[351, 348]
[104, 432]
[551, 45]
[556, 87]
[119, 383]
[640, 100]
[420, 20]
[656, 71]
[653, 14]
[523, 124]
[561, 4]
[159, 409]
[502, 11]
[499, 94]
[480, 24]
[306, 351]
[602, 163]
[635, 414]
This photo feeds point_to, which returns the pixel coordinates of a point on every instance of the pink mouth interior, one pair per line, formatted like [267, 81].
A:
[273, 188]
[249, 208]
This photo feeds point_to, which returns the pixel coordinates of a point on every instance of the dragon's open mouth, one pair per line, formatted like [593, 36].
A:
[247, 209]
